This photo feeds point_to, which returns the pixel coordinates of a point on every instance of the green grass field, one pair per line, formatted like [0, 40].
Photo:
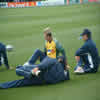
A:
[23, 28]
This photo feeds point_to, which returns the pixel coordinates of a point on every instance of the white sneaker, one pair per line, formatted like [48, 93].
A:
[26, 64]
[36, 73]
[2, 60]
[79, 70]
[65, 72]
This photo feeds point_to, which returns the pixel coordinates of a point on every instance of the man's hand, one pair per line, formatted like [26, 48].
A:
[35, 70]
[11, 68]
[67, 67]
[60, 60]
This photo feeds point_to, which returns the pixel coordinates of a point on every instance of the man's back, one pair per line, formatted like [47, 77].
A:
[53, 70]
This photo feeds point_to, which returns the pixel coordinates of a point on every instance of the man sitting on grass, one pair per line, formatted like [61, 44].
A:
[52, 49]
[87, 56]
[49, 71]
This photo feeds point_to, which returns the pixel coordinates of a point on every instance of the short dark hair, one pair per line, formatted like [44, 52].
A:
[49, 34]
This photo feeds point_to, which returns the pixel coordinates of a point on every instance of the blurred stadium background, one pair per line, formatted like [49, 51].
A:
[33, 3]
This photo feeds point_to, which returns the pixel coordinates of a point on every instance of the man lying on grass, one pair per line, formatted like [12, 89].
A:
[87, 56]
[49, 71]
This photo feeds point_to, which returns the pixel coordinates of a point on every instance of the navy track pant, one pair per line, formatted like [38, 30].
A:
[87, 63]
[27, 81]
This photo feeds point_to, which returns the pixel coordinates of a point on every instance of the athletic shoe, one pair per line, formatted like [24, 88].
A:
[26, 64]
[65, 72]
[1, 62]
[79, 70]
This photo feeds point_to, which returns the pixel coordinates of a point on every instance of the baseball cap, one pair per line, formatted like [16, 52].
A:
[86, 32]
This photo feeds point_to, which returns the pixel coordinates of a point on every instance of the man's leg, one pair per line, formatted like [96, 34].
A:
[87, 69]
[24, 71]
[38, 54]
[79, 67]
[43, 66]
[0, 59]
[21, 83]
[4, 55]
[79, 62]
[88, 64]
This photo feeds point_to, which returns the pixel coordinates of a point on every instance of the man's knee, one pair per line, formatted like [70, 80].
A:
[18, 67]
[37, 51]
